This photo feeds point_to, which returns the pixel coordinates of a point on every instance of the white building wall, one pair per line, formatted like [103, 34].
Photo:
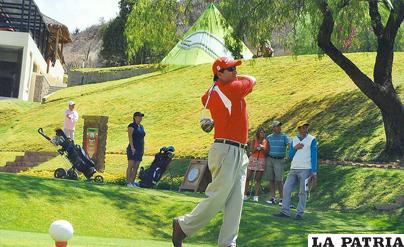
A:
[31, 55]
[57, 71]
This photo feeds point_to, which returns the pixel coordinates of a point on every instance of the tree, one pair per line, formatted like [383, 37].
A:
[331, 25]
[150, 30]
[114, 43]
[380, 89]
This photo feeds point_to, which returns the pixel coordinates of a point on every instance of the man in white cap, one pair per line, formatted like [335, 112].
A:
[303, 153]
[71, 117]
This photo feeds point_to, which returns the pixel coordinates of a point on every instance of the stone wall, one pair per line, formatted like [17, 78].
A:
[77, 77]
[41, 87]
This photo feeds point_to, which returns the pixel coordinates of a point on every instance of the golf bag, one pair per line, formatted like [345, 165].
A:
[75, 154]
[150, 176]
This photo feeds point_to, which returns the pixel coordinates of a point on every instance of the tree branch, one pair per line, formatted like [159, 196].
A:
[362, 81]
[385, 49]
[377, 24]
[345, 3]
[395, 19]
[243, 20]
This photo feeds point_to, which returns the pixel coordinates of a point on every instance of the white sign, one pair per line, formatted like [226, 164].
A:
[356, 240]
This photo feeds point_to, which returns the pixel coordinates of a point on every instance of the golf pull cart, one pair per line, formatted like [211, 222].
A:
[76, 155]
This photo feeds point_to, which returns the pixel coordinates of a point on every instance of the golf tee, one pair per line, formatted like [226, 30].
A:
[60, 243]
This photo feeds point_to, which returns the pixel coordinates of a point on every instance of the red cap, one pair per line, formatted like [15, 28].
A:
[224, 63]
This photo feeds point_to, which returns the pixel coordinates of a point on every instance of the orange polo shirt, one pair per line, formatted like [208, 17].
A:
[232, 126]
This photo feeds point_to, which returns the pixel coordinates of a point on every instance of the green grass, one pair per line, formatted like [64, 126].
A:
[30, 239]
[340, 187]
[346, 124]
[339, 205]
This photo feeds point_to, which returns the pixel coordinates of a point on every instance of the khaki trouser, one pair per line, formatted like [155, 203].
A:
[228, 165]
[275, 168]
[69, 133]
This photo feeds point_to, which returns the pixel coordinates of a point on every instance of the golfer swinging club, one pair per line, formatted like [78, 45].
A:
[227, 158]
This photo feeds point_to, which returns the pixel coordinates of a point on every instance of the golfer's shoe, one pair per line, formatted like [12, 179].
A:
[281, 215]
[271, 201]
[178, 234]
[298, 217]
[255, 199]
[245, 198]
[280, 202]
[130, 185]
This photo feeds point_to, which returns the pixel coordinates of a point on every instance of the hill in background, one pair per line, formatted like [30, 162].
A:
[85, 47]
[347, 125]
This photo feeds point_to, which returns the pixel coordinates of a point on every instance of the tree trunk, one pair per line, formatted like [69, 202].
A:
[381, 91]
[394, 130]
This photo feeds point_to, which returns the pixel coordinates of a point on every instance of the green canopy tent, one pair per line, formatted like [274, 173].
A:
[204, 41]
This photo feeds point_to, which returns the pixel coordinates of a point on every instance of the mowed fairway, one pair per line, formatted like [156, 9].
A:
[118, 216]
[29, 239]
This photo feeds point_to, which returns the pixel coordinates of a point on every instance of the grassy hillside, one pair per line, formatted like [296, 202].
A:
[30, 204]
[346, 124]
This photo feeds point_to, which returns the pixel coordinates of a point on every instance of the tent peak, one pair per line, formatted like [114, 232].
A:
[205, 41]
[211, 5]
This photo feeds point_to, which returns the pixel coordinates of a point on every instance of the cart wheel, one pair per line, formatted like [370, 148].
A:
[72, 174]
[59, 173]
[98, 179]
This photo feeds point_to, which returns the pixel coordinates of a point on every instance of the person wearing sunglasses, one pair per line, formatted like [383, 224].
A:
[227, 157]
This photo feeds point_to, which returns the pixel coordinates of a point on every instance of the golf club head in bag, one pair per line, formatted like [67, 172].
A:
[171, 149]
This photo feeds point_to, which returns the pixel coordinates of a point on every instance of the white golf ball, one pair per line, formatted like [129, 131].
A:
[61, 230]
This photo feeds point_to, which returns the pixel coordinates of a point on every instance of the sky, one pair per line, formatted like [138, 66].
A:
[79, 13]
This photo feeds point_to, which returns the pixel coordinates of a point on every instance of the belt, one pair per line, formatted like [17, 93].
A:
[277, 158]
[233, 143]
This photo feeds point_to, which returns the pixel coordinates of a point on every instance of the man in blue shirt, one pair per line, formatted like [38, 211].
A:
[303, 153]
[275, 161]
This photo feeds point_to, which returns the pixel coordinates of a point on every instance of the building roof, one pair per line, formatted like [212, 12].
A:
[54, 26]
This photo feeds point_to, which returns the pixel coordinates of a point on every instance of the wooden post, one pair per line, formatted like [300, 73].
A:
[56, 44]
[48, 62]
[62, 59]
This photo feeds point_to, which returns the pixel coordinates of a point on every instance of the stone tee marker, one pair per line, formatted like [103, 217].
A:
[95, 139]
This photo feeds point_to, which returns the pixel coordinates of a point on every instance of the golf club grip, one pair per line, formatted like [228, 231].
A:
[40, 131]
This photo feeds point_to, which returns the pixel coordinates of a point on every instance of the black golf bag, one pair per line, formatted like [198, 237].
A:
[150, 176]
[75, 154]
